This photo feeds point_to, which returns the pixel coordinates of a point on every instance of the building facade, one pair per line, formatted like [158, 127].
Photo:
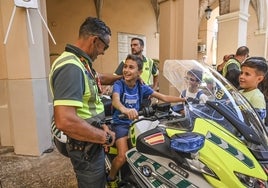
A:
[173, 29]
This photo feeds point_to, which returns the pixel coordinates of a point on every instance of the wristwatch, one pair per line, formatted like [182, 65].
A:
[109, 139]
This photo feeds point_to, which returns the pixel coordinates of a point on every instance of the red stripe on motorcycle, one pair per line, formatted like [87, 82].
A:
[154, 139]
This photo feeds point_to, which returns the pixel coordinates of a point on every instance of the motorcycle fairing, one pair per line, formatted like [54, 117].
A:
[216, 151]
[246, 131]
[139, 127]
[160, 148]
[145, 147]
[230, 149]
[155, 174]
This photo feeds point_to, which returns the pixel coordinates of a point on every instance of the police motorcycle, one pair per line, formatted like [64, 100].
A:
[219, 143]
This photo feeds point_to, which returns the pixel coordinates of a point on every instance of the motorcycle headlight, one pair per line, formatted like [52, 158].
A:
[250, 181]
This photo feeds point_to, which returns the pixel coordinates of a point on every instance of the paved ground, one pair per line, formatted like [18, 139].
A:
[51, 170]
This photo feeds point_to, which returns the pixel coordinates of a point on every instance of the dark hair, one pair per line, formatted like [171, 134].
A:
[137, 59]
[242, 51]
[139, 39]
[227, 57]
[258, 63]
[94, 26]
[198, 74]
[263, 86]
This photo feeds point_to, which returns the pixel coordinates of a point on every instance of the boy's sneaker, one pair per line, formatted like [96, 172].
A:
[112, 183]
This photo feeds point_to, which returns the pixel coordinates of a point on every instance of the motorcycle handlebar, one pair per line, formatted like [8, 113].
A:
[157, 110]
[143, 112]
[146, 111]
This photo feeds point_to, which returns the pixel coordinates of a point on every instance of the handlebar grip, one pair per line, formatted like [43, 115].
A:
[122, 116]
[141, 112]
[161, 109]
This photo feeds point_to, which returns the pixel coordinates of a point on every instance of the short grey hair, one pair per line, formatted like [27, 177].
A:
[94, 26]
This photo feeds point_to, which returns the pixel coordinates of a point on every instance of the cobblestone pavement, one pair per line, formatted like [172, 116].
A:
[51, 170]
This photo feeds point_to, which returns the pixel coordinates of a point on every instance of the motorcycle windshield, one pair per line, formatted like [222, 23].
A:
[217, 100]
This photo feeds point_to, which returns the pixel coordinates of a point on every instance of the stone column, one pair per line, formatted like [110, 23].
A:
[237, 20]
[178, 34]
[24, 94]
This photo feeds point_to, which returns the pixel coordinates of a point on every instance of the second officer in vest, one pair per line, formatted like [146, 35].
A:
[150, 71]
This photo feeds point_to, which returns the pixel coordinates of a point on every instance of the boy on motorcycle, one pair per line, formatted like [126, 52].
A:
[127, 99]
[252, 74]
[193, 93]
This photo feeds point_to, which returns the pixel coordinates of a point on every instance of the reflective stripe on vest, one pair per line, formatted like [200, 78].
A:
[147, 71]
[92, 105]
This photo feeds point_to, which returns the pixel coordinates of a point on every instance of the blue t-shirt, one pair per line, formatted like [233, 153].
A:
[130, 98]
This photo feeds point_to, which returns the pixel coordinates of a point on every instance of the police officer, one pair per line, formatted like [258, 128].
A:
[78, 110]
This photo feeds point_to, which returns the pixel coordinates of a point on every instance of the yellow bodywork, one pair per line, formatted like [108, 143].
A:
[225, 155]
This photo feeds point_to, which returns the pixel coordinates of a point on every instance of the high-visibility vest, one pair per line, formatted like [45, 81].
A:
[147, 71]
[91, 105]
[230, 61]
